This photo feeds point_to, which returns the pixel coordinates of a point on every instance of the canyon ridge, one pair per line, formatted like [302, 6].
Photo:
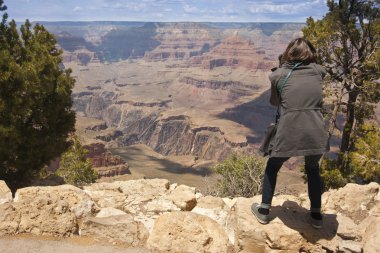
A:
[171, 99]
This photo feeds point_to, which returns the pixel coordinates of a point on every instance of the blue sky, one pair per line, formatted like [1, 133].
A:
[166, 10]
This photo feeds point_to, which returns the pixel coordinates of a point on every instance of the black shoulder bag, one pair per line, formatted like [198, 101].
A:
[267, 143]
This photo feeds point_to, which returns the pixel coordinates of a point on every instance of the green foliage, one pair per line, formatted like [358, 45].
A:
[241, 175]
[348, 43]
[35, 100]
[365, 158]
[331, 175]
[74, 167]
[363, 161]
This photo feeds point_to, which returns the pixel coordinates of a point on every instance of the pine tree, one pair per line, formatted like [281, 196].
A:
[35, 100]
[74, 167]
[348, 43]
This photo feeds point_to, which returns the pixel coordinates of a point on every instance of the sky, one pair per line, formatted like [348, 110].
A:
[166, 10]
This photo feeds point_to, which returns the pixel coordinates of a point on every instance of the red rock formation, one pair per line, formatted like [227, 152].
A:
[234, 51]
[112, 171]
[100, 157]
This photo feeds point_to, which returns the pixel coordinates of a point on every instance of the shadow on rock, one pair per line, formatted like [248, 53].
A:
[298, 218]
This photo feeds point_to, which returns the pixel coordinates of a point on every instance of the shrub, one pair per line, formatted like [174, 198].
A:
[241, 175]
[75, 168]
[364, 160]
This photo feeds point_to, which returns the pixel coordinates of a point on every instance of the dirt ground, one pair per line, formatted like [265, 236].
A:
[37, 244]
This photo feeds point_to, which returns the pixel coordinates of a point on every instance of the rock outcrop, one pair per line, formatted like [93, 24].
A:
[173, 135]
[234, 52]
[181, 41]
[5, 193]
[172, 232]
[148, 213]
[105, 163]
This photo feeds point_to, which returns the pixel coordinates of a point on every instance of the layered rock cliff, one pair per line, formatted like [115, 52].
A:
[235, 51]
[105, 163]
[143, 123]
[181, 41]
[168, 217]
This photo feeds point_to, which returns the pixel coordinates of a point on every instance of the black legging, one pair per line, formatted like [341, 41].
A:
[313, 180]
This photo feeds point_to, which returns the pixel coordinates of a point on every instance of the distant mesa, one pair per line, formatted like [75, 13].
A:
[234, 51]
[180, 41]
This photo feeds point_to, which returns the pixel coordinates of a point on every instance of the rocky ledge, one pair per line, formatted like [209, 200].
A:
[176, 218]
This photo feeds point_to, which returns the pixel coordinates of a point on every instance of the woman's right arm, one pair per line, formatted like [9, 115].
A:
[274, 98]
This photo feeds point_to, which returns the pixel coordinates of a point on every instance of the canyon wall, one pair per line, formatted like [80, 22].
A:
[176, 87]
[174, 135]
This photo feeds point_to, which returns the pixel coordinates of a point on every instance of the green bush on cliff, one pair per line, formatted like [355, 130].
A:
[332, 177]
[74, 167]
[363, 161]
[241, 175]
[35, 100]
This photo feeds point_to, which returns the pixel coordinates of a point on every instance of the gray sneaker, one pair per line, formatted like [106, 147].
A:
[316, 223]
[262, 218]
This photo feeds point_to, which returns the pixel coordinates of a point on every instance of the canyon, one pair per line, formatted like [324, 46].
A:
[191, 93]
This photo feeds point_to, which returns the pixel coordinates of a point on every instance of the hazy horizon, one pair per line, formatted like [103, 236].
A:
[218, 11]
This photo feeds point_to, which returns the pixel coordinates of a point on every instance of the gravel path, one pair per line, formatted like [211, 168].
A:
[43, 245]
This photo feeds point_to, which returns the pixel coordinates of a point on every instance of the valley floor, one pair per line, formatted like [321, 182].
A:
[145, 163]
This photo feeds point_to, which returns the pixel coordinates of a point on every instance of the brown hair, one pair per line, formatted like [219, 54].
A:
[299, 50]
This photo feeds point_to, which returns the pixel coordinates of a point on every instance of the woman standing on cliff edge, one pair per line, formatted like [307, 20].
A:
[296, 87]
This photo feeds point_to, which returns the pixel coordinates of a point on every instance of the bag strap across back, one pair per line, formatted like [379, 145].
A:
[282, 87]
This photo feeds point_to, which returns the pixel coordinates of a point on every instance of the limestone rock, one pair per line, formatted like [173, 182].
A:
[188, 232]
[52, 210]
[130, 210]
[161, 206]
[230, 202]
[371, 237]
[120, 228]
[347, 229]
[114, 186]
[145, 187]
[350, 247]
[210, 202]
[216, 209]
[109, 211]
[184, 197]
[5, 193]
[353, 200]
[9, 219]
[255, 237]
[107, 198]
[44, 216]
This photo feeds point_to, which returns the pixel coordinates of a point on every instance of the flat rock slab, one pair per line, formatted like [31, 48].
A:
[26, 245]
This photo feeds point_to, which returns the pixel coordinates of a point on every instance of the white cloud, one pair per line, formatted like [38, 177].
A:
[77, 9]
[192, 9]
[287, 8]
